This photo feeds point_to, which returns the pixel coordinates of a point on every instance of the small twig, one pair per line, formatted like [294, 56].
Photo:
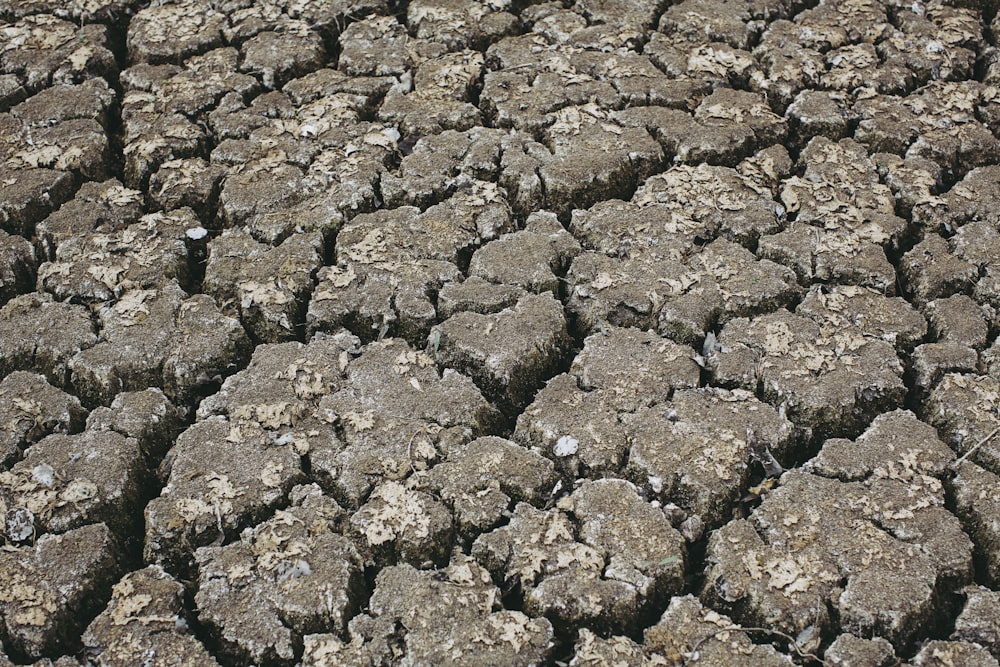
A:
[736, 628]
[409, 451]
[976, 446]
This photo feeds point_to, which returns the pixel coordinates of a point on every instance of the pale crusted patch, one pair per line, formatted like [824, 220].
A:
[396, 510]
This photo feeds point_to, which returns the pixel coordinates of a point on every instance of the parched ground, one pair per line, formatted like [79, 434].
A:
[458, 332]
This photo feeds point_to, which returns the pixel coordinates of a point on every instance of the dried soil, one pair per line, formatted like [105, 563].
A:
[448, 332]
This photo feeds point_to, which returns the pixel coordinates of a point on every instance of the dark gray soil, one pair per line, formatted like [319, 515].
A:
[508, 332]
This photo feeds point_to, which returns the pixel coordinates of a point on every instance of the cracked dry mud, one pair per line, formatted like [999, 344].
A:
[499, 332]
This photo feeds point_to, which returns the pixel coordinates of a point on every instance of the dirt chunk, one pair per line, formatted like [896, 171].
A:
[939, 653]
[376, 46]
[979, 511]
[734, 283]
[864, 507]
[258, 186]
[440, 98]
[891, 319]
[939, 44]
[147, 415]
[341, 179]
[285, 374]
[30, 409]
[189, 183]
[11, 91]
[848, 649]
[476, 295]
[79, 146]
[726, 106]
[151, 138]
[40, 334]
[105, 207]
[158, 337]
[637, 15]
[459, 225]
[42, 50]
[374, 301]
[279, 56]
[594, 158]
[963, 406]
[625, 555]
[688, 626]
[173, 33]
[203, 82]
[634, 369]
[146, 616]
[916, 183]
[17, 266]
[532, 259]
[696, 450]
[222, 475]
[858, 67]
[844, 219]
[975, 244]
[398, 414]
[718, 20]
[402, 525]
[910, 125]
[713, 63]
[592, 650]
[818, 113]
[234, 119]
[289, 576]
[67, 481]
[479, 633]
[661, 279]
[790, 60]
[860, 459]
[931, 361]
[460, 24]
[28, 195]
[972, 200]
[831, 25]
[704, 201]
[54, 586]
[89, 100]
[958, 319]
[482, 479]
[581, 431]
[586, 143]
[326, 82]
[932, 270]
[978, 621]
[833, 381]
[441, 164]
[390, 264]
[509, 354]
[269, 286]
[101, 266]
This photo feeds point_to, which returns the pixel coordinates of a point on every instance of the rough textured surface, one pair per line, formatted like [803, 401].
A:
[145, 622]
[832, 380]
[621, 554]
[449, 332]
[838, 533]
[53, 586]
[288, 576]
[32, 409]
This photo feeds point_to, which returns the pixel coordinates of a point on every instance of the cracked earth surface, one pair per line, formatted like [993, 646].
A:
[460, 332]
